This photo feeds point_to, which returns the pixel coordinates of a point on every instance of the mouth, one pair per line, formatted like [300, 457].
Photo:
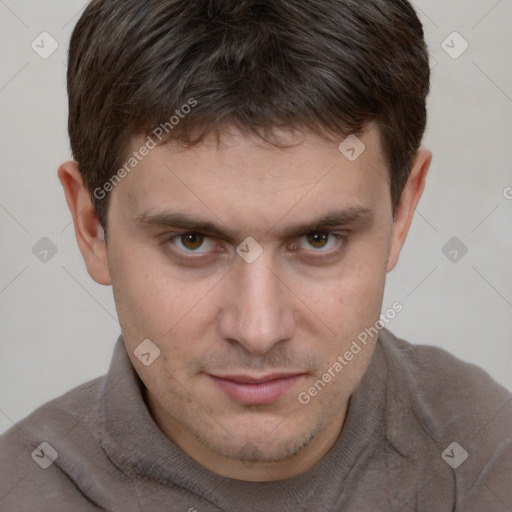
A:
[251, 390]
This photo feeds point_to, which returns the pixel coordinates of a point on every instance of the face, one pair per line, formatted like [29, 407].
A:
[252, 269]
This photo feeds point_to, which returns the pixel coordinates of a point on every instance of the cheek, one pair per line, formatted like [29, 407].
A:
[348, 301]
[152, 301]
[351, 292]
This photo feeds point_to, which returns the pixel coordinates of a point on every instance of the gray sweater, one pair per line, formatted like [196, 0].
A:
[424, 432]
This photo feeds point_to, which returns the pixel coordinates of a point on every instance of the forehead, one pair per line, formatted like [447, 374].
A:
[243, 179]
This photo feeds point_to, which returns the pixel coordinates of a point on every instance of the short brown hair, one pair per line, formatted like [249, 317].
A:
[327, 66]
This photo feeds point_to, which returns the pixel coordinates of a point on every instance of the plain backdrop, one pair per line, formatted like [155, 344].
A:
[58, 327]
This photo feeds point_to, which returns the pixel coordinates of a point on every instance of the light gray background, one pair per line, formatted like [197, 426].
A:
[58, 327]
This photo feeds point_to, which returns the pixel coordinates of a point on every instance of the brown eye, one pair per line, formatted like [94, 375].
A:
[318, 239]
[192, 241]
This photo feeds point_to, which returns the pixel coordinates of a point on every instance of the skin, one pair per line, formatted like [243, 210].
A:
[297, 307]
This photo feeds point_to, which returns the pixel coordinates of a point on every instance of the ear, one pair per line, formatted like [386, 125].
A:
[88, 231]
[408, 202]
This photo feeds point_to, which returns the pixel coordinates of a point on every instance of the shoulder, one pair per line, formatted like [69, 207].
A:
[452, 415]
[445, 387]
[33, 450]
[58, 413]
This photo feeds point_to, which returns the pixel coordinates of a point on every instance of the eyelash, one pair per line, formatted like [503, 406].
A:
[317, 256]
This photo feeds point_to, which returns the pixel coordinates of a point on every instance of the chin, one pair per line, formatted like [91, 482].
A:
[265, 447]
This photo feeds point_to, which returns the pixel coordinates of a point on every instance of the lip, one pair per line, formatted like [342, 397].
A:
[249, 390]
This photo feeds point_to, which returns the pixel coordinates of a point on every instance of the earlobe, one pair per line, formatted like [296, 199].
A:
[88, 230]
[409, 201]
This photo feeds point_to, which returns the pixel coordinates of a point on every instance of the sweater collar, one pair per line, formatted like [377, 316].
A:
[136, 445]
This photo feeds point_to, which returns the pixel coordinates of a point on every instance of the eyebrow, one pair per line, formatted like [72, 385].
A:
[187, 222]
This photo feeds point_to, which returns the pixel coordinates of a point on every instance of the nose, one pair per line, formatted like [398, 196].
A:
[259, 311]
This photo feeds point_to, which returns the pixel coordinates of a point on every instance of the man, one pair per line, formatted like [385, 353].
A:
[245, 175]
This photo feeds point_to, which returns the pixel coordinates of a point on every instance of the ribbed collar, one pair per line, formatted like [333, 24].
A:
[136, 445]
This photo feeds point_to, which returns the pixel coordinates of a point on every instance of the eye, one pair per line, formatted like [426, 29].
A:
[193, 242]
[321, 241]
